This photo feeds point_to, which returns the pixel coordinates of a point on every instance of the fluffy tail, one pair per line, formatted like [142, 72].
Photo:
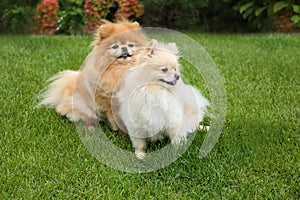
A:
[59, 93]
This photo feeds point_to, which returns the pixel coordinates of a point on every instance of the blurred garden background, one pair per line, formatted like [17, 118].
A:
[82, 16]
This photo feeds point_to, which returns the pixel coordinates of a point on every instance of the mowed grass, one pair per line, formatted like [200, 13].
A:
[256, 157]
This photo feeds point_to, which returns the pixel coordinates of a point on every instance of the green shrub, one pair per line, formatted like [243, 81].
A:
[172, 13]
[264, 14]
[17, 19]
[17, 16]
[218, 16]
[71, 17]
[77, 16]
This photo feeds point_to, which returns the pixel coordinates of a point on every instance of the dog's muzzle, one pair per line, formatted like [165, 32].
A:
[176, 78]
[124, 53]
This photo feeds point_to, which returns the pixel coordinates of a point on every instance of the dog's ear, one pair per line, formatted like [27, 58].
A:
[152, 46]
[103, 31]
[173, 48]
[135, 25]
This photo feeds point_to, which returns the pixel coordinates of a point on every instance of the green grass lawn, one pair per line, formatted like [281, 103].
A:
[257, 156]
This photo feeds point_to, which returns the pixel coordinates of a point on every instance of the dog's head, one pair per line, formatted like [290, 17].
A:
[125, 46]
[109, 29]
[163, 63]
[120, 41]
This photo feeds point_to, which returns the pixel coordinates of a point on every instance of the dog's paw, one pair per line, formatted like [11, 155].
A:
[90, 124]
[202, 127]
[114, 126]
[140, 154]
[91, 128]
[178, 140]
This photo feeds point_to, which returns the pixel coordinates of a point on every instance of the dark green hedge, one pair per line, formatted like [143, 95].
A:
[16, 16]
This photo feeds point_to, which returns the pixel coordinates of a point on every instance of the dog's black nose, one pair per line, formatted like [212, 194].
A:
[124, 49]
[177, 76]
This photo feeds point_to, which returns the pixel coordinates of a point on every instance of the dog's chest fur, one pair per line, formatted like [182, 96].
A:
[153, 109]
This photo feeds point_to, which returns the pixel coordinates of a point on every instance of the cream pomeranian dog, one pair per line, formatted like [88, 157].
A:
[85, 95]
[154, 103]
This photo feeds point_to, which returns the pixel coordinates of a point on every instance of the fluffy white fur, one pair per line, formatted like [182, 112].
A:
[155, 103]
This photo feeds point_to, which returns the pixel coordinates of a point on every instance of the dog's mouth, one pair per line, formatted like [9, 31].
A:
[168, 82]
[124, 55]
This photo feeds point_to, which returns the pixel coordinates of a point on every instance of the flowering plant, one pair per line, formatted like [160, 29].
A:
[129, 9]
[94, 11]
[46, 16]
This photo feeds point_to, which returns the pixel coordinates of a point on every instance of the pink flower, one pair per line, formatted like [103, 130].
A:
[46, 16]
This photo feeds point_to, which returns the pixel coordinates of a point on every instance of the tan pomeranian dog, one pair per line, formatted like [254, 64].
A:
[72, 93]
[155, 103]
[129, 50]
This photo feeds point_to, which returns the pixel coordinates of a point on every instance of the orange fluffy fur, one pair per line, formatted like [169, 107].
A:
[86, 95]
[109, 80]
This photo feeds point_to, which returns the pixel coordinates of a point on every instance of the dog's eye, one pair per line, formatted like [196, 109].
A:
[131, 45]
[115, 46]
[164, 69]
